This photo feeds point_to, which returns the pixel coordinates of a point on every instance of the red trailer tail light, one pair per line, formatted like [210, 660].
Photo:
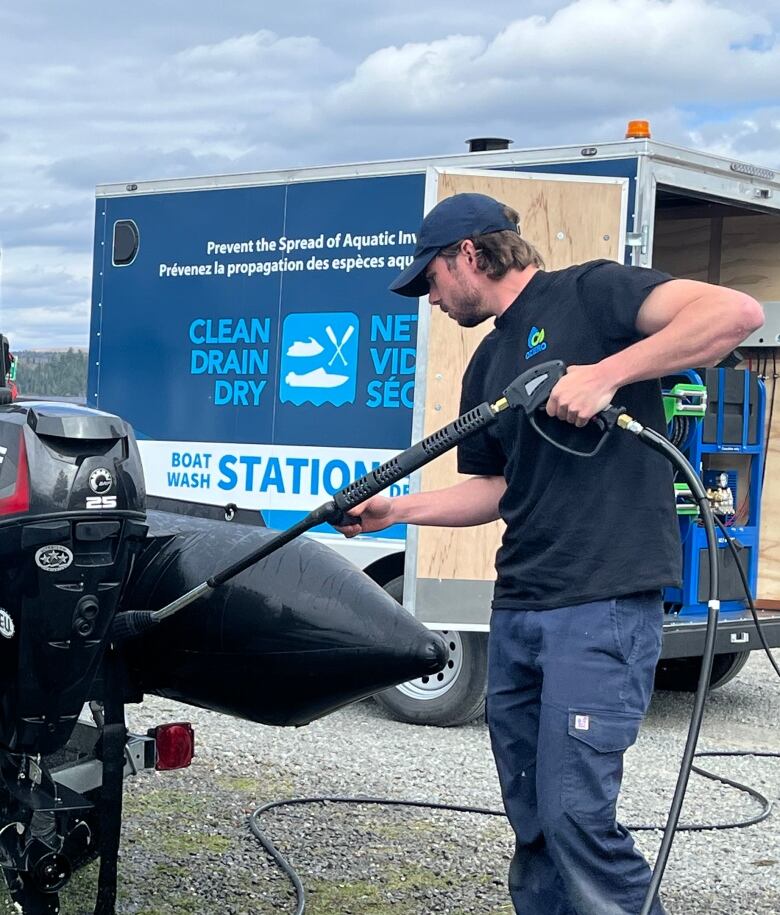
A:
[19, 500]
[175, 745]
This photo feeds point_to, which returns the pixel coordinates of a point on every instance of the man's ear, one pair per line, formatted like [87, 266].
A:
[469, 250]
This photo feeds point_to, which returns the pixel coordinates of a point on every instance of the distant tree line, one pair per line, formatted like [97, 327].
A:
[61, 374]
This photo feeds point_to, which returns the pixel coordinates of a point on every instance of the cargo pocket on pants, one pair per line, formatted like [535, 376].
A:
[593, 764]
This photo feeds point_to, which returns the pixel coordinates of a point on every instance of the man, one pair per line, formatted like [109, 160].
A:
[589, 544]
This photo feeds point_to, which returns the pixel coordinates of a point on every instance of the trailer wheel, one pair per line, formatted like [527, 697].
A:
[682, 674]
[454, 696]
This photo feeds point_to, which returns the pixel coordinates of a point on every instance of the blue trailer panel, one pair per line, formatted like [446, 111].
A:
[263, 315]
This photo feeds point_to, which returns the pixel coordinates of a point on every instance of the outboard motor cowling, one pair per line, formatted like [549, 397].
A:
[72, 513]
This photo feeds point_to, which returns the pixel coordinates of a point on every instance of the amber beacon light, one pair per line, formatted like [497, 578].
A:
[638, 130]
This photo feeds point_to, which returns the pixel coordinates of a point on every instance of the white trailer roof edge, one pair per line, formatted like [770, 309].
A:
[622, 149]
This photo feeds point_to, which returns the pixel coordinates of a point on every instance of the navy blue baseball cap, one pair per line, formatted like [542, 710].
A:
[453, 219]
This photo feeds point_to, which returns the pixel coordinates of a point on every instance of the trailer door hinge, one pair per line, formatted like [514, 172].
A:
[639, 239]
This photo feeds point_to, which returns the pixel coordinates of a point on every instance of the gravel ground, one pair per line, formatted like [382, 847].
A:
[186, 847]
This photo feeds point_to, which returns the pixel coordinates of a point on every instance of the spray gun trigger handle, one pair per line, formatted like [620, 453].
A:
[532, 389]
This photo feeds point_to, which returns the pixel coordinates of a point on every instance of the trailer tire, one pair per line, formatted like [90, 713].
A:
[682, 674]
[453, 697]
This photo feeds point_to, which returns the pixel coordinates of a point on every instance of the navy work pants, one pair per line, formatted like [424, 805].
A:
[567, 690]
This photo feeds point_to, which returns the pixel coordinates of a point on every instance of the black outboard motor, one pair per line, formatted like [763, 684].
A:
[72, 518]
[72, 512]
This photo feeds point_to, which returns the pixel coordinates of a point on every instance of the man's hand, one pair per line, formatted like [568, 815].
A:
[375, 514]
[583, 392]
[473, 501]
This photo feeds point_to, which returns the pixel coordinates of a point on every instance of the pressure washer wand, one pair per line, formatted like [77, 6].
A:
[336, 511]
[132, 623]
[678, 460]
[529, 392]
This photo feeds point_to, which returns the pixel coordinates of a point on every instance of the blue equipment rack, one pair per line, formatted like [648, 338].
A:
[733, 425]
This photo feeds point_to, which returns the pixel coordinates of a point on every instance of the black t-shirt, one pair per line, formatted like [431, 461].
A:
[577, 529]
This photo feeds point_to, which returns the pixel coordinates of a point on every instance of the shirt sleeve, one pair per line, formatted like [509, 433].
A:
[612, 295]
[480, 454]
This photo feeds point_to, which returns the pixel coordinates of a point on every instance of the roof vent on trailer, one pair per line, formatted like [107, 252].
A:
[486, 144]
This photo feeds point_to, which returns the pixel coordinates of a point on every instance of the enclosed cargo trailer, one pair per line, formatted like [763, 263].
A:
[243, 325]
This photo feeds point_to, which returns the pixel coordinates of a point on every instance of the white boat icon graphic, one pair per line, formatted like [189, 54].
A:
[310, 347]
[318, 378]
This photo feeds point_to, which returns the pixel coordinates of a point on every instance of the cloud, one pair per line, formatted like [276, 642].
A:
[753, 136]
[262, 56]
[41, 308]
[186, 93]
[44, 224]
[546, 66]
[87, 171]
[426, 79]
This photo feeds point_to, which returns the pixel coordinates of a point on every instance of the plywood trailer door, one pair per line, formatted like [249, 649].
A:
[449, 571]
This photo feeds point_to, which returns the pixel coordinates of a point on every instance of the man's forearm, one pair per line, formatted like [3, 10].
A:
[665, 353]
[695, 337]
[684, 324]
[474, 501]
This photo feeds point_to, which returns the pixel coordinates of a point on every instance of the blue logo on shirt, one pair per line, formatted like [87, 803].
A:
[536, 342]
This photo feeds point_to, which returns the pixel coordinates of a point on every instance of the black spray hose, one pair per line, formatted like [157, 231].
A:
[677, 458]
[528, 392]
[289, 870]
[300, 894]
[734, 546]
[662, 445]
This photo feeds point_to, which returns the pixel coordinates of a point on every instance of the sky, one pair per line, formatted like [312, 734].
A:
[175, 89]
